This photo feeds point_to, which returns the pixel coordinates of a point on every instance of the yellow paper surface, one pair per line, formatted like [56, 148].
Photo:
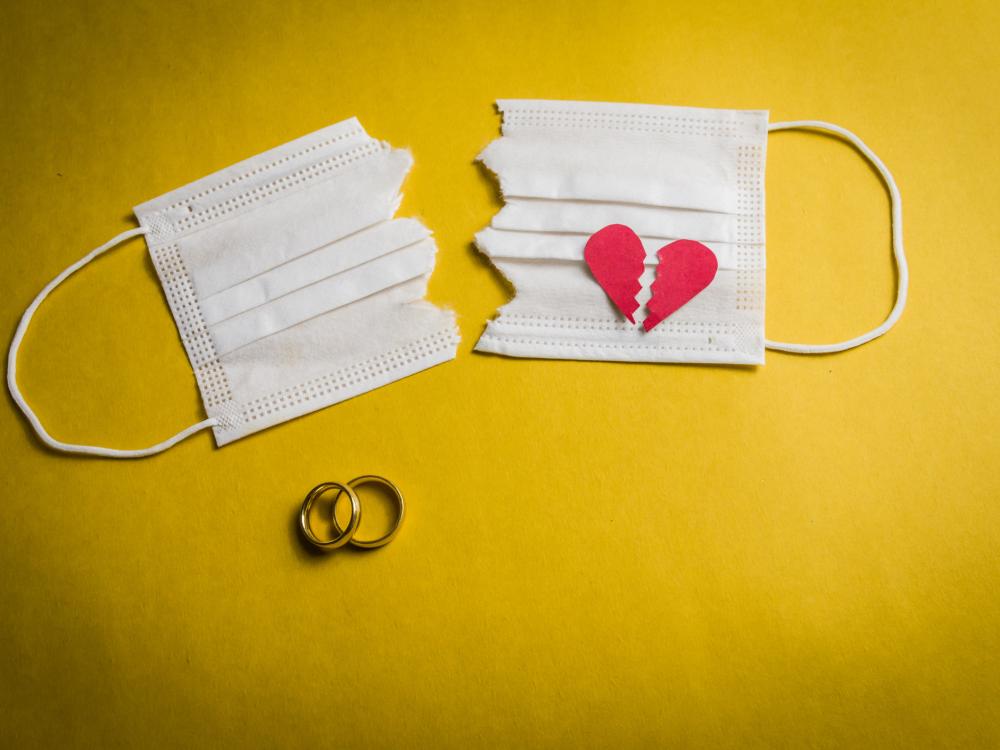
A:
[799, 555]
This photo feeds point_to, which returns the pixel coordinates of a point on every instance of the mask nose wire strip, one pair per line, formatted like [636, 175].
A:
[19, 399]
[897, 242]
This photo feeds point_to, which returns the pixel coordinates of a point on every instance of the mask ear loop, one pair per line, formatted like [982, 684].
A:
[15, 392]
[897, 242]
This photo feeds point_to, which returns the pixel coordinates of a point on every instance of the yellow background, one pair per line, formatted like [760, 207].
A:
[803, 554]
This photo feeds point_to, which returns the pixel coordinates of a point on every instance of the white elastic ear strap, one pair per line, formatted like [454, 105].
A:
[50, 441]
[897, 243]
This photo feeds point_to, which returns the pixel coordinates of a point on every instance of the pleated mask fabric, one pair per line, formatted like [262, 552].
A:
[291, 284]
[569, 169]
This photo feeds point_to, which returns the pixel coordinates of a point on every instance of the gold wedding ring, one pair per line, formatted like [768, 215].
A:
[389, 535]
[346, 536]
[343, 535]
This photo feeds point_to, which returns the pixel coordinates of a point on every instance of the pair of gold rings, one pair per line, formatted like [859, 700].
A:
[346, 535]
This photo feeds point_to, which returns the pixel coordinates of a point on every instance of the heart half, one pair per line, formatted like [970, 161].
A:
[617, 258]
[686, 267]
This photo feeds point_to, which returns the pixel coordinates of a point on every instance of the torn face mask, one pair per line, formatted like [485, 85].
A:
[612, 208]
[291, 285]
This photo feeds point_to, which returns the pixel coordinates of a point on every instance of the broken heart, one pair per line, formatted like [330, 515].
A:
[616, 257]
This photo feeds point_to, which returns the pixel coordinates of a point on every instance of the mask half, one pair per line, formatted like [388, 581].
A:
[291, 284]
[613, 208]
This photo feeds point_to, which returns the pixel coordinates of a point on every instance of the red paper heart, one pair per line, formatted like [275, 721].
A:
[616, 258]
[686, 267]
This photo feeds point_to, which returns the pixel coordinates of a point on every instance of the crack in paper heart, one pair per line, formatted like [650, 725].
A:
[616, 258]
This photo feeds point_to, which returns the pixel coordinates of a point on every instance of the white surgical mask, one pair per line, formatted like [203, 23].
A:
[291, 285]
[570, 169]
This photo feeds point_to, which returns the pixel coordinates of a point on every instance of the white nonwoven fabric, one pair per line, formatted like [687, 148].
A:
[567, 169]
[292, 286]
